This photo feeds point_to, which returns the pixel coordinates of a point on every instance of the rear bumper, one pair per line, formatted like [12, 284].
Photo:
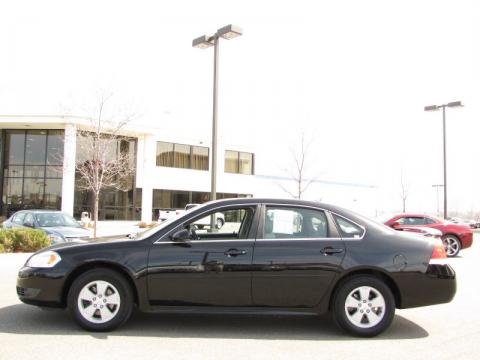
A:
[437, 285]
[40, 287]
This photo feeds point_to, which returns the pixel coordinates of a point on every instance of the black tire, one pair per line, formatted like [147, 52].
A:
[385, 313]
[452, 245]
[219, 223]
[121, 286]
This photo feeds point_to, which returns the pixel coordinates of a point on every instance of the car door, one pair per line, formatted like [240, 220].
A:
[212, 268]
[297, 254]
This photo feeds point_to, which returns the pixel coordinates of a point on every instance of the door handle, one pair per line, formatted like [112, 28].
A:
[330, 250]
[234, 252]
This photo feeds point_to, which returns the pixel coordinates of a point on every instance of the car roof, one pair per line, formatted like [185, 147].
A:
[413, 215]
[277, 201]
[39, 211]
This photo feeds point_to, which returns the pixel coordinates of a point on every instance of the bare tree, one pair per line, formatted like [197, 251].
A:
[299, 169]
[403, 191]
[101, 162]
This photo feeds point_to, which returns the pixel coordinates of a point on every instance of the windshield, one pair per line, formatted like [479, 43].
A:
[56, 219]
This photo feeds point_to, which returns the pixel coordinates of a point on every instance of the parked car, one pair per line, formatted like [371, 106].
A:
[275, 256]
[455, 236]
[59, 226]
[218, 222]
[471, 223]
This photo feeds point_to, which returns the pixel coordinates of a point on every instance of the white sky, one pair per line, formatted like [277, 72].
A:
[353, 75]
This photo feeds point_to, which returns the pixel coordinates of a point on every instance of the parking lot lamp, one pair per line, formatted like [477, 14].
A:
[227, 32]
[435, 108]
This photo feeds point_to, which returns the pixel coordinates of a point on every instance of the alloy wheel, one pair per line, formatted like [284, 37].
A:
[452, 245]
[365, 307]
[98, 302]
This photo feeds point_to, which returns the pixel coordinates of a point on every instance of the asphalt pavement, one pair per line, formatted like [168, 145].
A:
[448, 331]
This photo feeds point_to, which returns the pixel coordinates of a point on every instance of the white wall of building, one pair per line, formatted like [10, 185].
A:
[362, 198]
[69, 156]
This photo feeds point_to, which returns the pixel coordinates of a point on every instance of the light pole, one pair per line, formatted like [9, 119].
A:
[435, 108]
[437, 186]
[227, 32]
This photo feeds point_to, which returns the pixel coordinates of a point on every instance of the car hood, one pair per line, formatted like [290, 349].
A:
[89, 242]
[68, 231]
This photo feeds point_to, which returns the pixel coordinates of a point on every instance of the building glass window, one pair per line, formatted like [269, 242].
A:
[199, 158]
[245, 163]
[237, 162]
[182, 156]
[200, 197]
[231, 161]
[55, 147]
[28, 181]
[14, 147]
[35, 147]
[53, 194]
[180, 199]
[164, 154]
[113, 204]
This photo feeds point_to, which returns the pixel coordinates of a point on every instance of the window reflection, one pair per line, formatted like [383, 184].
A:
[182, 156]
[238, 162]
[28, 181]
[35, 147]
[113, 204]
[14, 147]
[199, 158]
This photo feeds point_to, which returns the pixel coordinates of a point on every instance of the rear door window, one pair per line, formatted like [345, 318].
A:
[348, 229]
[295, 223]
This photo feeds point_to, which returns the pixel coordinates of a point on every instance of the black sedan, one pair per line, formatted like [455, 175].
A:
[277, 256]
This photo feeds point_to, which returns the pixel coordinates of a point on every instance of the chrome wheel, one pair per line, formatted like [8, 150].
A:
[365, 307]
[452, 245]
[98, 302]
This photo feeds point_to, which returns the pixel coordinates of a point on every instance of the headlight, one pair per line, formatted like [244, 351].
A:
[47, 259]
[55, 239]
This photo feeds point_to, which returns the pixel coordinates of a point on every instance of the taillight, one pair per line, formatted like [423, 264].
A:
[438, 252]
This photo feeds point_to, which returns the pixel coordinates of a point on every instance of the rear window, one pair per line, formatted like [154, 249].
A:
[348, 229]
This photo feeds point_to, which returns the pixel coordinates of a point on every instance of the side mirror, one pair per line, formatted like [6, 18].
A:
[181, 236]
[396, 225]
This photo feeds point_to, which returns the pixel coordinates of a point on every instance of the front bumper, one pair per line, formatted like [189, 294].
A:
[437, 285]
[42, 287]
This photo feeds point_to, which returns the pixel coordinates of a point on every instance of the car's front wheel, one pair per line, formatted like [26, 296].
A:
[452, 245]
[364, 306]
[100, 300]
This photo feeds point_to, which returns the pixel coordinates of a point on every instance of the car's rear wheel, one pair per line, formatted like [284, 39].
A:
[364, 306]
[452, 245]
[219, 223]
[100, 300]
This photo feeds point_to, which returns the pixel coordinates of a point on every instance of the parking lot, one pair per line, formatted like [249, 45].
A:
[441, 332]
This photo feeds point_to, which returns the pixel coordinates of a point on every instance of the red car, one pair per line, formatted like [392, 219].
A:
[455, 236]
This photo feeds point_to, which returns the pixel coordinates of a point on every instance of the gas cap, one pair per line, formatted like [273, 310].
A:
[400, 262]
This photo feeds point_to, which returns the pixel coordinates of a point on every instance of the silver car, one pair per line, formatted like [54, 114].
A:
[60, 227]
